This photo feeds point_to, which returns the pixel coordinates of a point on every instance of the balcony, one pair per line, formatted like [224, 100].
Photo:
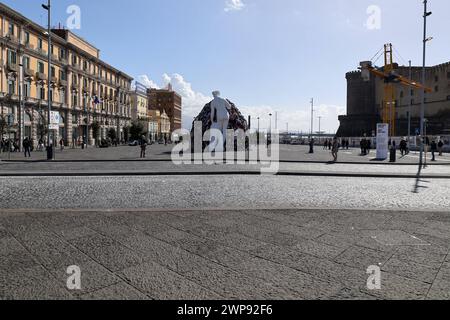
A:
[41, 51]
[40, 76]
[53, 80]
[63, 83]
[28, 72]
[12, 67]
[29, 46]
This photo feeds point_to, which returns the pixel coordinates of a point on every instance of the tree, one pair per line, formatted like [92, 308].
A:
[126, 133]
[2, 126]
[95, 130]
[136, 130]
[112, 134]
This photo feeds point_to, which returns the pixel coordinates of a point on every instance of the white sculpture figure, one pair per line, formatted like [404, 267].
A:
[220, 115]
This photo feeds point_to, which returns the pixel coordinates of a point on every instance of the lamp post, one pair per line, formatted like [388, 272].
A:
[312, 117]
[409, 110]
[48, 8]
[422, 106]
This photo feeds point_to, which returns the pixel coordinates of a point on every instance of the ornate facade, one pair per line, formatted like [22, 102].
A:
[90, 95]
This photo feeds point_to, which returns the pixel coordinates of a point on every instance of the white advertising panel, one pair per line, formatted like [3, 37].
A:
[382, 140]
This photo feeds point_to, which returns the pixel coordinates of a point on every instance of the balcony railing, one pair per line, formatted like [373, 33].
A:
[41, 76]
[12, 67]
[28, 72]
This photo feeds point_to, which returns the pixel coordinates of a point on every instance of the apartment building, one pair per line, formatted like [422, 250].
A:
[86, 91]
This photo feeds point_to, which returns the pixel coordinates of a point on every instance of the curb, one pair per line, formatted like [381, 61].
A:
[224, 173]
[170, 160]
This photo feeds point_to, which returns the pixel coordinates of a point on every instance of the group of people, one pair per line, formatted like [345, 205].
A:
[9, 145]
[366, 146]
[436, 147]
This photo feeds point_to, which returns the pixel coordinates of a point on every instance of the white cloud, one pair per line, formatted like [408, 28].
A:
[234, 5]
[146, 81]
[193, 101]
[299, 120]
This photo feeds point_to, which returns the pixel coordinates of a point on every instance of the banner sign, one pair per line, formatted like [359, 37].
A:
[55, 119]
[382, 140]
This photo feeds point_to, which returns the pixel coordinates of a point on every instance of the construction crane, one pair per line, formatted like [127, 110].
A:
[391, 79]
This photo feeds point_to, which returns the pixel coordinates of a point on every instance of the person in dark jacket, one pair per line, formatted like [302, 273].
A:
[26, 147]
[433, 150]
[143, 144]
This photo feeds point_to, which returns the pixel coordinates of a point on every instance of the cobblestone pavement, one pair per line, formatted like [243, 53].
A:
[221, 192]
[158, 152]
[158, 167]
[265, 238]
[245, 254]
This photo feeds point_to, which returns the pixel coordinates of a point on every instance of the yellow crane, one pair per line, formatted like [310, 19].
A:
[391, 79]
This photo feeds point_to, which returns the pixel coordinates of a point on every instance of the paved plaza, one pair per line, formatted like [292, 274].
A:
[155, 230]
[267, 237]
[245, 254]
[161, 152]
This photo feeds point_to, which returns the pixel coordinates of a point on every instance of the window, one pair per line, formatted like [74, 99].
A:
[412, 101]
[85, 65]
[11, 87]
[62, 53]
[27, 37]
[53, 72]
[42, 93]
[40, 44]
[51, 49]
[436, 78]
[26, 89]
[448, 75]
[436, 88]
[12, 57]
[11, 29]
[412, 93]
[41, 67]
[74, 60]
[401, 95]
[62, 75]
[26, 62]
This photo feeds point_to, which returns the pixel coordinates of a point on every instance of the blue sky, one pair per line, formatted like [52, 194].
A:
[264, 55]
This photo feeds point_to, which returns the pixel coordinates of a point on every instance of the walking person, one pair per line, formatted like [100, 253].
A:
[143, 144]
[26, 147]
[325, 144]
[440, 147]
[434, 148]
[61, 144]
[335, 149]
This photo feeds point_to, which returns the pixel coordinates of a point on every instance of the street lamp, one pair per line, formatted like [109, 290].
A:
[48, 8]
[422, 107]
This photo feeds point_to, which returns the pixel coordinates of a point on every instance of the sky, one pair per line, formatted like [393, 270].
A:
[267, 56]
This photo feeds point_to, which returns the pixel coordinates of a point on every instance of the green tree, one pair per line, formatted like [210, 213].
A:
[112, 134]
[95, 130]
[136, 130]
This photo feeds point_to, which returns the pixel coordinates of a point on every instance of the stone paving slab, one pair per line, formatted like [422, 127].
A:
[161, 152]
[234, 254]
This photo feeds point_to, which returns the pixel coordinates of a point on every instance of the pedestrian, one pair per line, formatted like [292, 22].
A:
[325, 144]
[434, 149]
[335, 149]
[311, 145]
[61, 144]
[403, 147]
[362, 145]
[143, 144]
[26, 147]
[440, 147]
